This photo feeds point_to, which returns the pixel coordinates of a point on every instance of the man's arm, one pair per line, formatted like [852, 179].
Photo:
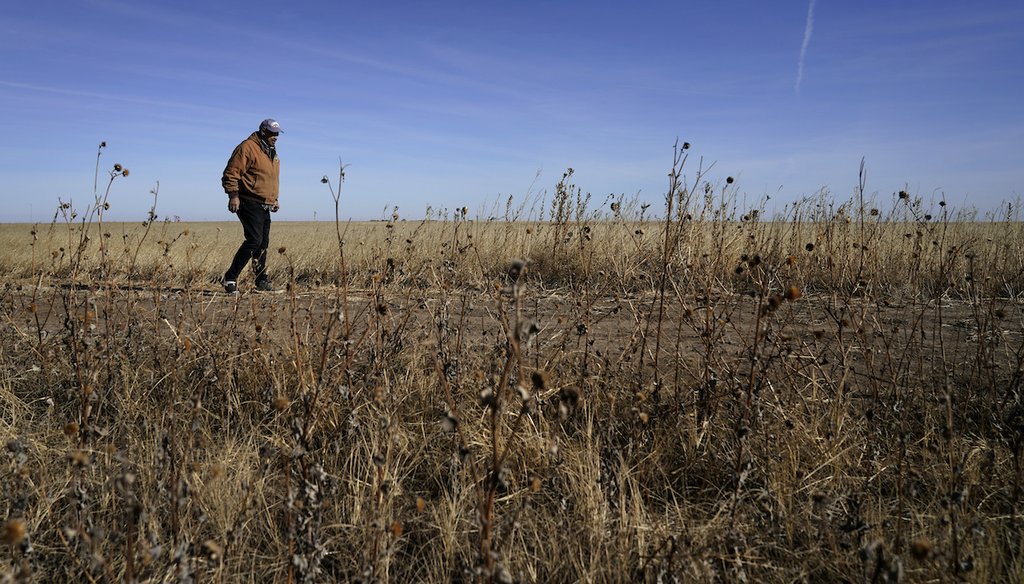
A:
[237, 165]
[233, 174]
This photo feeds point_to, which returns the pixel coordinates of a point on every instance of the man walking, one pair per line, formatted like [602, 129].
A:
[251, 180]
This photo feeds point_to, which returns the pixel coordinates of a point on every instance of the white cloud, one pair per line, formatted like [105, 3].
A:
[803, 47]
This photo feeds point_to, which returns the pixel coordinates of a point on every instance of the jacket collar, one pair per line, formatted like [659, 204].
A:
[265, 146]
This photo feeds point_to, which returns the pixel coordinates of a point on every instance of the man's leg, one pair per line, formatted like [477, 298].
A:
[252, 216]
[259, 262]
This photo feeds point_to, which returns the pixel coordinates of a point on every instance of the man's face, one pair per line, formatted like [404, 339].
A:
[271, 139]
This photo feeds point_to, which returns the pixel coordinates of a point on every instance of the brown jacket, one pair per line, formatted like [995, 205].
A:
[252, 173]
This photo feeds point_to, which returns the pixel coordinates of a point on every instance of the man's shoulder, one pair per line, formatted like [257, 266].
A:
[248, 145]
[252, 141]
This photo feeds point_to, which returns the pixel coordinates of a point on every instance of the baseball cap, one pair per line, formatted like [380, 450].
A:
[270, 126]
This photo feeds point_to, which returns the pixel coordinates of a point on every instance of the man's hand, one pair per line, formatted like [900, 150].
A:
[275, 208]
[233, 203]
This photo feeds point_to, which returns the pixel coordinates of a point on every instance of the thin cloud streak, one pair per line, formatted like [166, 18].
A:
[113, 97]
[803, 47]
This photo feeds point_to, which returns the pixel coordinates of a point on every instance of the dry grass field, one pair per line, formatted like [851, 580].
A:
[570, 391]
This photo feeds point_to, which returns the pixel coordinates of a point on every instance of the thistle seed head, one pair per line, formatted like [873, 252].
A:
[488, 399]
[449, 423]
[515, 270]
[539, 380]
[14, 532]
[920, 549]
[569, 396]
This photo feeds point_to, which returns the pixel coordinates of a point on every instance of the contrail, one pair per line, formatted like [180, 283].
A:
[803, 47]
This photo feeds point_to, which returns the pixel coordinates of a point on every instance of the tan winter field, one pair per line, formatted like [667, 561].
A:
[561, 390]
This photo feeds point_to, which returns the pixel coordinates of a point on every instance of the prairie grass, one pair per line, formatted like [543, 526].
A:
[566, 391]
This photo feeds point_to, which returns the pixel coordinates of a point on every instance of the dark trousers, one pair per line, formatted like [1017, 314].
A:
[256, 224]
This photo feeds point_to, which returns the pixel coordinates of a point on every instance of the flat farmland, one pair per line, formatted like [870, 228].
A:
[831, 395]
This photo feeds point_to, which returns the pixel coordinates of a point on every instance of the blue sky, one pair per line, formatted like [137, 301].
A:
[449, 104]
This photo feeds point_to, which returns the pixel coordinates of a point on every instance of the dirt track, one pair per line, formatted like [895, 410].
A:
[875, 342]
